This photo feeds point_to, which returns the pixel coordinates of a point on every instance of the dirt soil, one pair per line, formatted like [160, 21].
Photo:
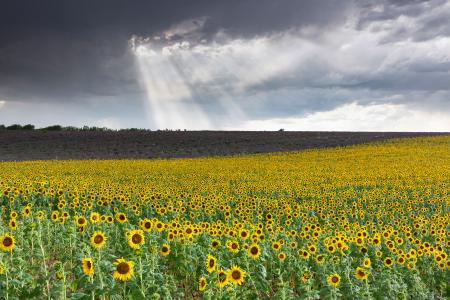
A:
[42, 145]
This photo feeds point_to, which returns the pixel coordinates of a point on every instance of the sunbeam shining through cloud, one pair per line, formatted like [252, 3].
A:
[192, 81]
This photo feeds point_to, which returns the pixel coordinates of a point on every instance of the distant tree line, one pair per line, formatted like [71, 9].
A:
[53, 128]
[73, 128]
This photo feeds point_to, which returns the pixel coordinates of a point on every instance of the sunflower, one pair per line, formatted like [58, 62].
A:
[80, 221]
[94, 217]
[189, 231]
[121, 217]
[388, 262]
[135, 238]
[293, 245]
[88, 266]
[367, 263]
[236, 275]
[40, 215]
[222, 279]
[7, 242]
[306, 276]
[159, 226]
[215, 244]
[411, 266]
[233, 246]
[2, 269]
[26, 211]
[331, 248]
[401, 260]
[202, 284]
[243, 233]
[361, 274]
[254, 251]
[146, 225]
[320, 259]
[54, 216]
[12, 224]
[334, 280]
[165, 250]
[312, 249]
[281, 256]
[276, 246]
[124, 270]
[210, 263]
[98, 239]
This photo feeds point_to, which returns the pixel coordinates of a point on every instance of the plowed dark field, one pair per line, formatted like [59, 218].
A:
[40, 145]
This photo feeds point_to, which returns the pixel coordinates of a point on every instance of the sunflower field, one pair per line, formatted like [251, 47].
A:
[359, 222]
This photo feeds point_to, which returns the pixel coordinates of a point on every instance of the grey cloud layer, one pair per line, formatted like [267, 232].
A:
[287, 57]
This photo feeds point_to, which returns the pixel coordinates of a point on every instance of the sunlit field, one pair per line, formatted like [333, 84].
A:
[367, 221]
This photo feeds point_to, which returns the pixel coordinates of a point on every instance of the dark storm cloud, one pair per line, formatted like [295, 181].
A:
[432, 18]
[68, 50]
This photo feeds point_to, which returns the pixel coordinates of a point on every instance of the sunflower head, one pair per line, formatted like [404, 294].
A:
[367, 263]
[236, 275]
[233, 246]
[135, 238]
[98, 239]
[388, 261]
[320, 259]
[165, 250]
[40, 215]
[80, 221]
[361, 274]
[54, 216]
[210, 263]
[26, 211]
[202, 284]
[412, 265]
[254, 251]
[276, 246]
[88, 266]
[306, 276]
[243, 234]
[121, 217]
[215, 244]
[146, 225]
[7, 242]
[124, 270]
[94, 217]
[334, 280]
[12, 224]
[159, 226]
[222, 278]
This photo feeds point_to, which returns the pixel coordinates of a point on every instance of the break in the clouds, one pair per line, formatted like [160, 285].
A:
[252, 65]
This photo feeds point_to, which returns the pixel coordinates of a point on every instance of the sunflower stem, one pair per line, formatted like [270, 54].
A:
[32, 245]
[141, 276]
[7, 282]
[251, 279]
[99, 256]
[43, 261]
[64, 292]
[91, 280]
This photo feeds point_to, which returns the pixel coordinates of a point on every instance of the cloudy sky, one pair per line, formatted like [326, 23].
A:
[241, 65]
